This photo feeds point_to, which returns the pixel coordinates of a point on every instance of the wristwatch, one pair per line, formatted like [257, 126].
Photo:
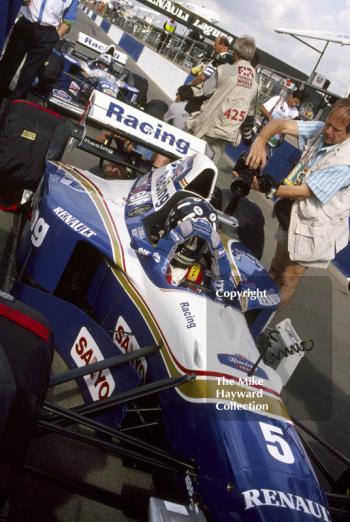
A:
[271, 193]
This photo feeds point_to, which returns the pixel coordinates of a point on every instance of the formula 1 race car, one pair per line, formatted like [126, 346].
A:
[78, 75]
[150, 293]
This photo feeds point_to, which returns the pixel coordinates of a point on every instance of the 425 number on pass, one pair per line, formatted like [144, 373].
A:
[235, 115]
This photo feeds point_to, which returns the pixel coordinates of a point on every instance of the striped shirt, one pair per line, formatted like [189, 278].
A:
[211, 67]
[209, 70]
[51, 12]
[326, 182]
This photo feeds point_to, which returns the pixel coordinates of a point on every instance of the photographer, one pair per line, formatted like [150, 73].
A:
[233, 89]
[278, 108]
[316, 227]
[221, 55]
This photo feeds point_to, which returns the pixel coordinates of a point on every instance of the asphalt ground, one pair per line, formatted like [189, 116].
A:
[317, 394]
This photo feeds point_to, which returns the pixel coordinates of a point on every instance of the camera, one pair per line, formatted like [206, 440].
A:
[222, 59]
[247, 130]
[241, 185]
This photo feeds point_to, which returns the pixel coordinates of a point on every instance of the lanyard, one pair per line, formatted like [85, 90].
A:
[301, 170]
[311, 150]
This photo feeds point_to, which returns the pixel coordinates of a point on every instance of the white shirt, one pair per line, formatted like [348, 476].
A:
[47, 12]
[176, 115]
[280, 109]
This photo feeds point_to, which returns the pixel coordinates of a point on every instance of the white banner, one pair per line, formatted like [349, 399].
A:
[99, 47]
[143, 128]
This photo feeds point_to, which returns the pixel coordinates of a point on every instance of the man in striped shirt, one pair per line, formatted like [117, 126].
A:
[319, 215]
[222, 55]
[41, 24]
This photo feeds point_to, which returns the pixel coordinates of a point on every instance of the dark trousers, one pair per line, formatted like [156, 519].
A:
[163, 41]
[26, 38]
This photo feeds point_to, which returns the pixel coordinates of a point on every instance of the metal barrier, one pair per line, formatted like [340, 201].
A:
[187, 53]
[182, 50]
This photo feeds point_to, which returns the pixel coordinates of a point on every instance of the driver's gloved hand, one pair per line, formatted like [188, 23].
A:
[168, 244]
[176, 237]
[220, 265]
[184, 231]
[202, 228]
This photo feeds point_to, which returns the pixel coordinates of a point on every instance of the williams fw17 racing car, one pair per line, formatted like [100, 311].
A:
[151, 295]
[68, 77]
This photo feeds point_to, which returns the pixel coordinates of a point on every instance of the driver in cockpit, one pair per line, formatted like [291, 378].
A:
[190, 249]
[101, 68]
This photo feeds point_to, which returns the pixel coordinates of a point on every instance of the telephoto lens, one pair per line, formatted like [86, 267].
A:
[247, 130]
[241, 184]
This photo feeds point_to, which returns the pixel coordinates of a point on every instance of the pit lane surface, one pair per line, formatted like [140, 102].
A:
[318, 394]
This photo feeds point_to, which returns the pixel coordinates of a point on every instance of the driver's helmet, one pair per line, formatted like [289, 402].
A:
[190, 208]
[104, 61]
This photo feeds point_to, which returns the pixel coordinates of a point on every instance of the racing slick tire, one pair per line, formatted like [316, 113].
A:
[26, 352]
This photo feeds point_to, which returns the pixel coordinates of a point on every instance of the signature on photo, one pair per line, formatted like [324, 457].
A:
[273, 355]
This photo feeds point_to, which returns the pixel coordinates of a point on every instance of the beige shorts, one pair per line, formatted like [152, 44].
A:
[282, 237]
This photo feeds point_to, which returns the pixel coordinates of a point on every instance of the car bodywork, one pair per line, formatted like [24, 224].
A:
[72, 90]
[103, 297]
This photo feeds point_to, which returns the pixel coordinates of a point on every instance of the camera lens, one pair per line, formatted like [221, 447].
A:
[241, 185]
